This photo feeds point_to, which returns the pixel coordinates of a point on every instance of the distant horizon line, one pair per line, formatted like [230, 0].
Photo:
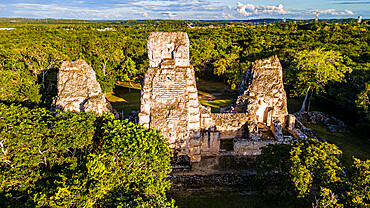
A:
[48, 18]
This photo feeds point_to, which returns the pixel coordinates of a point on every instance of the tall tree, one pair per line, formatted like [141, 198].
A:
[316, 69]
[40, 59]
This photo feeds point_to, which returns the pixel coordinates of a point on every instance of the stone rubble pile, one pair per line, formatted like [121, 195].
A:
[316, 117]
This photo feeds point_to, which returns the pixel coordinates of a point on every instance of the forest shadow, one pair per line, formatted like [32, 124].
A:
[49, 89]
[124, 99]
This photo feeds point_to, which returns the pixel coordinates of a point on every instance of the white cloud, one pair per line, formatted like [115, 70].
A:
[166, 9]
[212, 7]
[346, 11]
[152, 3]
[328, 11]
[141, 14]
[250, 9]
[333, 12]
[228, 16]
[246, 9]
[279, 9]
[169, 15]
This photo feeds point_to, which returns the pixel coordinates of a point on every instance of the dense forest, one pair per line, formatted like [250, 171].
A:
[31, 52]
[79, 160]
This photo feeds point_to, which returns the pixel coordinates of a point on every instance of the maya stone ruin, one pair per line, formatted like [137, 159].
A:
[169, 102]
[78, 89]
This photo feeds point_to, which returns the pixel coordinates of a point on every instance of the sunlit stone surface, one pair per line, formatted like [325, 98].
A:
[78, 89]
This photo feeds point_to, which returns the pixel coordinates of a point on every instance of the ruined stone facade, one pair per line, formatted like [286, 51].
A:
[169, 102]
[263, 98]
[169, 97]
[78, 89]
[168, 45]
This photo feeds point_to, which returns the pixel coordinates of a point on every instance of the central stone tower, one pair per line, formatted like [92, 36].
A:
[169, 97]
[169, 102]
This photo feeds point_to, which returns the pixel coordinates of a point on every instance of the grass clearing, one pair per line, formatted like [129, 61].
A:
[212, 86]
[132, 85]
[125, 97]
[216, 104]
[215, 94]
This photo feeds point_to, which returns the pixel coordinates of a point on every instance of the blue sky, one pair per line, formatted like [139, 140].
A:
[183, 9]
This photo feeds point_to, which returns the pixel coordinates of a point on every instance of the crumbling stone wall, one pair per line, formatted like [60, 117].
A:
[210, 141]
[232, 125]
[249, 147]
[262, 95]
[229, 121]
[78, 89]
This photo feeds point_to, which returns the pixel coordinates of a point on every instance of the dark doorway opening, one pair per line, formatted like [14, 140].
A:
[227, 144]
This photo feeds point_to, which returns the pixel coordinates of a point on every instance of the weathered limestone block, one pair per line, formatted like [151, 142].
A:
[165, 104]
[262, 95]
[248, 147]
[229, 121]
[78, 89]
[171, 45]
[231, 125]
[210, 142]
[206, 120]
[195, 152]
[307, 132]
[277, 129]
[316, 117]
[98, 104]
[291, 122]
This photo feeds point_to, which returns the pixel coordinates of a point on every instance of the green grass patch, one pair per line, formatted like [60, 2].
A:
[125, 98]
[132, 85]
[215, 94]
[200, 93]
[218, 89]
[216, 104]
[114, 98]
[212, 86]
